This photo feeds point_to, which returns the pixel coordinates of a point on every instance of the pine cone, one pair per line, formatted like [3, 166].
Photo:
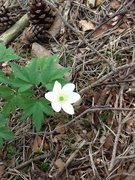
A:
[34, 33]
[6, 20]
[41, 13]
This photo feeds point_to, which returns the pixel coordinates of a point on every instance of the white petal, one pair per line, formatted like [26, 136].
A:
[68, 108]
[49, 96]
[56, 87]
[74, 97]
[68, 87]
[56, 106]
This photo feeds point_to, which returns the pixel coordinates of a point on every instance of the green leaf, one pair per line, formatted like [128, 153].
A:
[3, 78]
[6, 92]
[5, 133]
[38, 116]
[9, 107]
[18, 100]
[1, 142]
[7, 54]
[44, 62]
[45, 107]
[3, 121]
[28, 76]
[25, 87]
[37, 66]
[33, 71]
[37, 109]
[47, 72]
[18, 79]
[20, 72]
[17, 83]
[54, 75]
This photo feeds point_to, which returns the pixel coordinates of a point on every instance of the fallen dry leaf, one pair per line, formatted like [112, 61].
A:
[39, 51]
[115, 4]
[46, 145]
[129, 125]
[100, 31]
[86, 25]
[98, 2]
[59, 164]
[108, 141]
[60, 129]
[119, 30]
[56, 26]
[36, 145]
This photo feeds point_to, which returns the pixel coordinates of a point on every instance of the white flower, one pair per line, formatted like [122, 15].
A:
[63, 97]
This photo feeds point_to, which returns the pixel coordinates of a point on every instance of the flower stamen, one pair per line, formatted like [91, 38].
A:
[61, 98]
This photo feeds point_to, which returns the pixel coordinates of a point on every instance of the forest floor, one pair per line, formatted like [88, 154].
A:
[98, 142]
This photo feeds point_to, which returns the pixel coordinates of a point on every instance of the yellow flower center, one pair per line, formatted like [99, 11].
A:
[61, 98]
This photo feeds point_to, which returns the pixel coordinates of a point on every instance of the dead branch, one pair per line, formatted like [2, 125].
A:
[15, 30]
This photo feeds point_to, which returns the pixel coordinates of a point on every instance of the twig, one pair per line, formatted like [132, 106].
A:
[126, 157]
[107, 76]
[31, 160]
[15, 30]
[95, 172]
[118, 134]
[116, 82]
[129, 118]
[120, 174]
[90, 110]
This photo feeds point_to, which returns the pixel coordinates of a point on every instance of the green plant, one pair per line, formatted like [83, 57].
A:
[5, 133]
[12, 151]
[25, 87]
[44, 166]
[105, 116]
[7, 54]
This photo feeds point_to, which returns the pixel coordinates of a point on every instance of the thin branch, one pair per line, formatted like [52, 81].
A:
[107, 76]
[116, 82]
[42, 157]
[15, 30]
[126, 157]
[118, 133]
[95, 172]
[90, 110]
